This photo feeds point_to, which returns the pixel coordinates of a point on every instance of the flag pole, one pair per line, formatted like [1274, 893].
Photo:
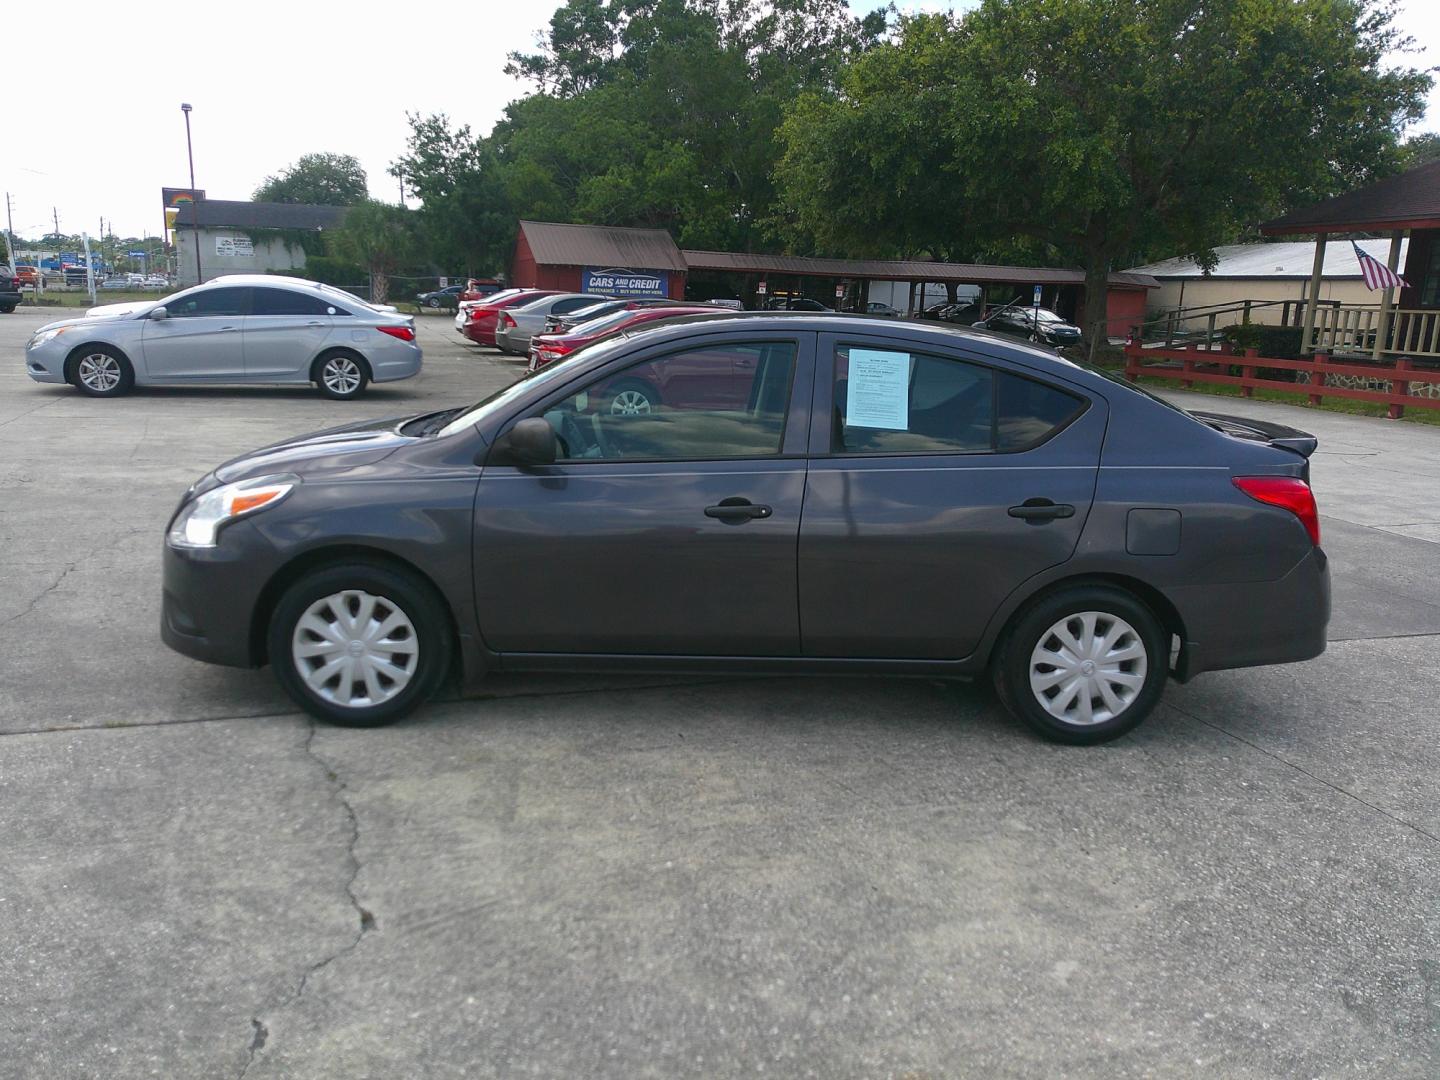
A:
[1387, 302]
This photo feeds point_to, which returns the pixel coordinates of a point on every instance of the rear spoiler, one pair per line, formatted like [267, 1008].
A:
[1244, 427]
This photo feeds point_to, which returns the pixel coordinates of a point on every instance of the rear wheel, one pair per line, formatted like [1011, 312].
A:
[432, 302]
[359, 644]
[1083, 665]
[100, 371]
[631, 397]
[341, 375]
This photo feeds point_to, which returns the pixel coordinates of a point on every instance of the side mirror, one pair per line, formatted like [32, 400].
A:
[158, 313]
[530, 442]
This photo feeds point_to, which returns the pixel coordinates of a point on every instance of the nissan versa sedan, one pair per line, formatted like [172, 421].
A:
[234, 329]
[800, 493]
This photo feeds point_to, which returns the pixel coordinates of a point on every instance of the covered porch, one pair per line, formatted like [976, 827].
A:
[1403, 326]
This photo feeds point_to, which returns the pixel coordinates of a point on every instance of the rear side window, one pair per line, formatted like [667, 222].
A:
[285, 302]
[889, 401]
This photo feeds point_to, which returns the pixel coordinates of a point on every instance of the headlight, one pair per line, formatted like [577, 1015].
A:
[45, 335]
[200, 519]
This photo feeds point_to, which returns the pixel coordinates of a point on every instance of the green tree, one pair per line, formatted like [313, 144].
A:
[379, 237]
[1419, 150]
[317, 180]
[1099, 128]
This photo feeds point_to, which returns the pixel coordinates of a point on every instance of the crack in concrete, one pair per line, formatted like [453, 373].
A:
[261, 1031]
[70, 568]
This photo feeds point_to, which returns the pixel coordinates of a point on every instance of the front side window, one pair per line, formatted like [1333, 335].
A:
[208, 302]
[286, 302]
[718, 401]
[889, 401]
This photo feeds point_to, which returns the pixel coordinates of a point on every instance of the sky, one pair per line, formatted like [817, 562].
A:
[285, 80]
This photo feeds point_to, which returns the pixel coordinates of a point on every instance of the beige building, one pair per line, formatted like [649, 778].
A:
[1264, 272]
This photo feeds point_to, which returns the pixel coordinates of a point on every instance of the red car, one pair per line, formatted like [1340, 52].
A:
[26, 275]
[547, 348]
[479, 289]
[476, 319]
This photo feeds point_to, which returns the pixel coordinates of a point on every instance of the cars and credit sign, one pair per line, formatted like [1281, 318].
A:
[618, 281]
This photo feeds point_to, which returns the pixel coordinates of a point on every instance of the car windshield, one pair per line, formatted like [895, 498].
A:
[556, 372]
[1048, 316]
[601, 323]
[593, 311]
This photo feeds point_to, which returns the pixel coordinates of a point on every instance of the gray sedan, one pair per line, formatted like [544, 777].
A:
[516, 326]
[790, 494]
[236, 329]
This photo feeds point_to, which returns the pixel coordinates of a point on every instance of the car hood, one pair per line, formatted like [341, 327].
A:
[110, 311]
[335, 448]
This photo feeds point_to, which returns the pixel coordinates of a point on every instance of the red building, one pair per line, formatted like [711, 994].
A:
[597, 258]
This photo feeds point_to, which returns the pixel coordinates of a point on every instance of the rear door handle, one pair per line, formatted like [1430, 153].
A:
[1041, 510]
[738, 510]
[228, 329]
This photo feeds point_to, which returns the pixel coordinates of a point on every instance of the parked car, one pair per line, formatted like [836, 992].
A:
[1034, 324]
[9, 291]
[875, 307]
[567, 321]
[26, 275]
[479, 288]
[794, 303]
[547, 348]
[234, 329]
[477, 318]
[962, 313]
[801, 494]
[516, 325]
[447, 297]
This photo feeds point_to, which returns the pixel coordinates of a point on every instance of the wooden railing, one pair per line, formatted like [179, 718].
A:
[1198, 365]
[1348, 329]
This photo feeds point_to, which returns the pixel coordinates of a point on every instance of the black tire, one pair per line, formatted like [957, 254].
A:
[432, 302]
[394, 589]
[620, 395]
[6, 309]
[101, 371]
[1012, 665]
[329, 368]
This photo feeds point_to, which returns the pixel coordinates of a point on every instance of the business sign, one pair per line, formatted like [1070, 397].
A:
[235, 245]
[174, 196]
[137, 254]
[618, 281]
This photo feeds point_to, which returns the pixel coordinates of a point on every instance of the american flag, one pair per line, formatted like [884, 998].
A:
[1377, 275]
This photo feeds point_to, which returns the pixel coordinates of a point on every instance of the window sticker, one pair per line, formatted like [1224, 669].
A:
[878, 394]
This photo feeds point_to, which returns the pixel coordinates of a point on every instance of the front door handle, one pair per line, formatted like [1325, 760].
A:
[1041, 510]
[737, 510]
[228, 329]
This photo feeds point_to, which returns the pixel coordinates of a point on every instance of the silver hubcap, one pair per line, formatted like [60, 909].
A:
[629, 403]
[341, 375]
[354, 649]
[99, 372]
[1088, 668]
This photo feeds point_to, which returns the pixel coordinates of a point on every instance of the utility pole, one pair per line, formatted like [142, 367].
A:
[56, 211]
[10, 232]
[194, 202]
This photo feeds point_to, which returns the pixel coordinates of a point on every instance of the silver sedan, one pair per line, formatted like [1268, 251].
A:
[234, 329]
[516, 326]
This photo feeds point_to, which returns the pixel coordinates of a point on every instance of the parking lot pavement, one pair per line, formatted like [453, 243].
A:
[689, 877]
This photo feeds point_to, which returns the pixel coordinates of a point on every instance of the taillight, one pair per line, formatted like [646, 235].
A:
[1288, 493]
[506, 321]
[404, 333]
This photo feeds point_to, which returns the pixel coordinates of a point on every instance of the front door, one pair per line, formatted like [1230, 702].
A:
[284, 332]
[668, 529]
[202, 338]
[937, 485]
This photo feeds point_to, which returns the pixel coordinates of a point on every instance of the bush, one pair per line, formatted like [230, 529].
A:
[1279, 342]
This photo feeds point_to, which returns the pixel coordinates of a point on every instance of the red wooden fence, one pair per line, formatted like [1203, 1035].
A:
[1197, 365]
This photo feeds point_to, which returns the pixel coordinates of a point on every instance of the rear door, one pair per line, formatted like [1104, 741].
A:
[665, 530]
[202, 337]
[284, 332]
[938, 482]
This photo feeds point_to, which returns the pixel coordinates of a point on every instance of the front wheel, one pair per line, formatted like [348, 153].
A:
[358, 644]
[1084, 665]
[432, 302]
[341, 376]
[631, 397]
[102, 372]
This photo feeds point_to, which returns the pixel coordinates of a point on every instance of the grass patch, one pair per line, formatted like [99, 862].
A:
[55, 298]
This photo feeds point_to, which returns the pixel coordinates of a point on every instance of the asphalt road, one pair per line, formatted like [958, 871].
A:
[687, 877]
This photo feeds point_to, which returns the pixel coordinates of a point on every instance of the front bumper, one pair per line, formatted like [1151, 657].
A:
[1248, 624]
[46, 363]
[210, 596]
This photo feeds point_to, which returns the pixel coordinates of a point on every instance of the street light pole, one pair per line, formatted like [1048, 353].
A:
[194, 203]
